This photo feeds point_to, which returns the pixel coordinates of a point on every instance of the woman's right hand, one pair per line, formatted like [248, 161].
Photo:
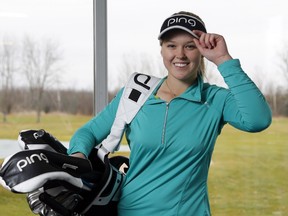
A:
[79, 155]
[212, 46]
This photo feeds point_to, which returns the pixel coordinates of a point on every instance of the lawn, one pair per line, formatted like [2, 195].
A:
[248, 174]
[60, 125]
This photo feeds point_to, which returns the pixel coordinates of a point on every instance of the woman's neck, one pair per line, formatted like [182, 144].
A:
[172, 88]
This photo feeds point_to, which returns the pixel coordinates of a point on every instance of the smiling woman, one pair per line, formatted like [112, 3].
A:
[71, 24]
[179, 123]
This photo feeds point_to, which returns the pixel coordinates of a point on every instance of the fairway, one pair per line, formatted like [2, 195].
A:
[248, 174]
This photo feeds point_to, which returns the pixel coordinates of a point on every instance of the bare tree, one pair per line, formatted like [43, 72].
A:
[277, 90]
[41, 68]
[283, 65]
[7, 71]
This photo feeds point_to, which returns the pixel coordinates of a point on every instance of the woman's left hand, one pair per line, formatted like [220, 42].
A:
[212, 46]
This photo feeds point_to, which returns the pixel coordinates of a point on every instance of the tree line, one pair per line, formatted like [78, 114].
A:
[39, 63]
[53, 100]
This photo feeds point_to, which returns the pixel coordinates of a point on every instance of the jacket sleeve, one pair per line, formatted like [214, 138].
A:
[96, 130]
[245, 106]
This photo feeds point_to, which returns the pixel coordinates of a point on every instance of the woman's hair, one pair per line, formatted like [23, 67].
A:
[201, 71]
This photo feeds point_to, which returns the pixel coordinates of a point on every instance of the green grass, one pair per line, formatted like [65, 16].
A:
[248, 174]
[60, 125]
[13, 204]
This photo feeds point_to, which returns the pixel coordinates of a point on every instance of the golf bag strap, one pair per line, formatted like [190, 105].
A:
[136, 91]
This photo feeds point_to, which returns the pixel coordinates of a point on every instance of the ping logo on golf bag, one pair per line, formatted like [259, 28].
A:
[38, 134]
[135, 94]
[30, 160]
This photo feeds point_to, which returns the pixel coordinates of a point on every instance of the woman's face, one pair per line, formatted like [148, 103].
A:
[180, 55]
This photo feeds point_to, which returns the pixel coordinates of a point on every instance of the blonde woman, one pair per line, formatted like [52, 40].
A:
[173, 135]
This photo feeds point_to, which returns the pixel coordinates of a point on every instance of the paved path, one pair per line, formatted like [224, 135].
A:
[9, 147]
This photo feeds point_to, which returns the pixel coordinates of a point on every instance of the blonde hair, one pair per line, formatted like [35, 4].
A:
[202, 67]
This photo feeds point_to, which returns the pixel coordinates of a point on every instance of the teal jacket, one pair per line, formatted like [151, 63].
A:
[172, 143]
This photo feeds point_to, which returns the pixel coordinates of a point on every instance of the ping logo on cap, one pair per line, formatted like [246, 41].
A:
[184, 22]
[178, 20]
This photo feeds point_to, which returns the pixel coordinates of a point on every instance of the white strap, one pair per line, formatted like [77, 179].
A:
[137, 90]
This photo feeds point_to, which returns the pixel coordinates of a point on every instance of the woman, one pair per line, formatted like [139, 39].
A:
[173, 135]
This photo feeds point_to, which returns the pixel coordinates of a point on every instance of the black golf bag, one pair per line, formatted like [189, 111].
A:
[60, 185]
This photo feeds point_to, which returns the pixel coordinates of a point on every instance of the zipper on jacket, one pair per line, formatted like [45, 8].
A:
[164, 124]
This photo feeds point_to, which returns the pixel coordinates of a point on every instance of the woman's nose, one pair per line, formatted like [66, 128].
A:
[180, 53]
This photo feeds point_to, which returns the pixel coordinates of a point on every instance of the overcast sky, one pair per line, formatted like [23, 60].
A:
[255, 30]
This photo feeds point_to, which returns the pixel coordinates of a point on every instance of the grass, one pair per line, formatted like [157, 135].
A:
[248, 174]
[60, 125]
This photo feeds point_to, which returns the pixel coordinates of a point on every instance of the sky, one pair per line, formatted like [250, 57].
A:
[255, 31]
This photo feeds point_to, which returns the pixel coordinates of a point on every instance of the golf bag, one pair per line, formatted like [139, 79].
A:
[57, 184]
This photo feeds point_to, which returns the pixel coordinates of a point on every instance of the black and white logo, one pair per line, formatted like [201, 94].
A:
[141, 80]
[21, 164]
[179, 20]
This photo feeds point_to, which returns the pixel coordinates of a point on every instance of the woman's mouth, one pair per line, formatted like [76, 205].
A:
[181, 65]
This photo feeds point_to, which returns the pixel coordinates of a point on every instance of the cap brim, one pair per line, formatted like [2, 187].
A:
[176, 27]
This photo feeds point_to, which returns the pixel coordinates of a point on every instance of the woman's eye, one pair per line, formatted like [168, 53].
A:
[170, 45]
[191, 46]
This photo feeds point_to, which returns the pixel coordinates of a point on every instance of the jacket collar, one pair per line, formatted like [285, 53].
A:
[193, 93]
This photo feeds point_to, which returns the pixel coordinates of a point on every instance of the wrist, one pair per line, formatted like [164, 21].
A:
[222, 59]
